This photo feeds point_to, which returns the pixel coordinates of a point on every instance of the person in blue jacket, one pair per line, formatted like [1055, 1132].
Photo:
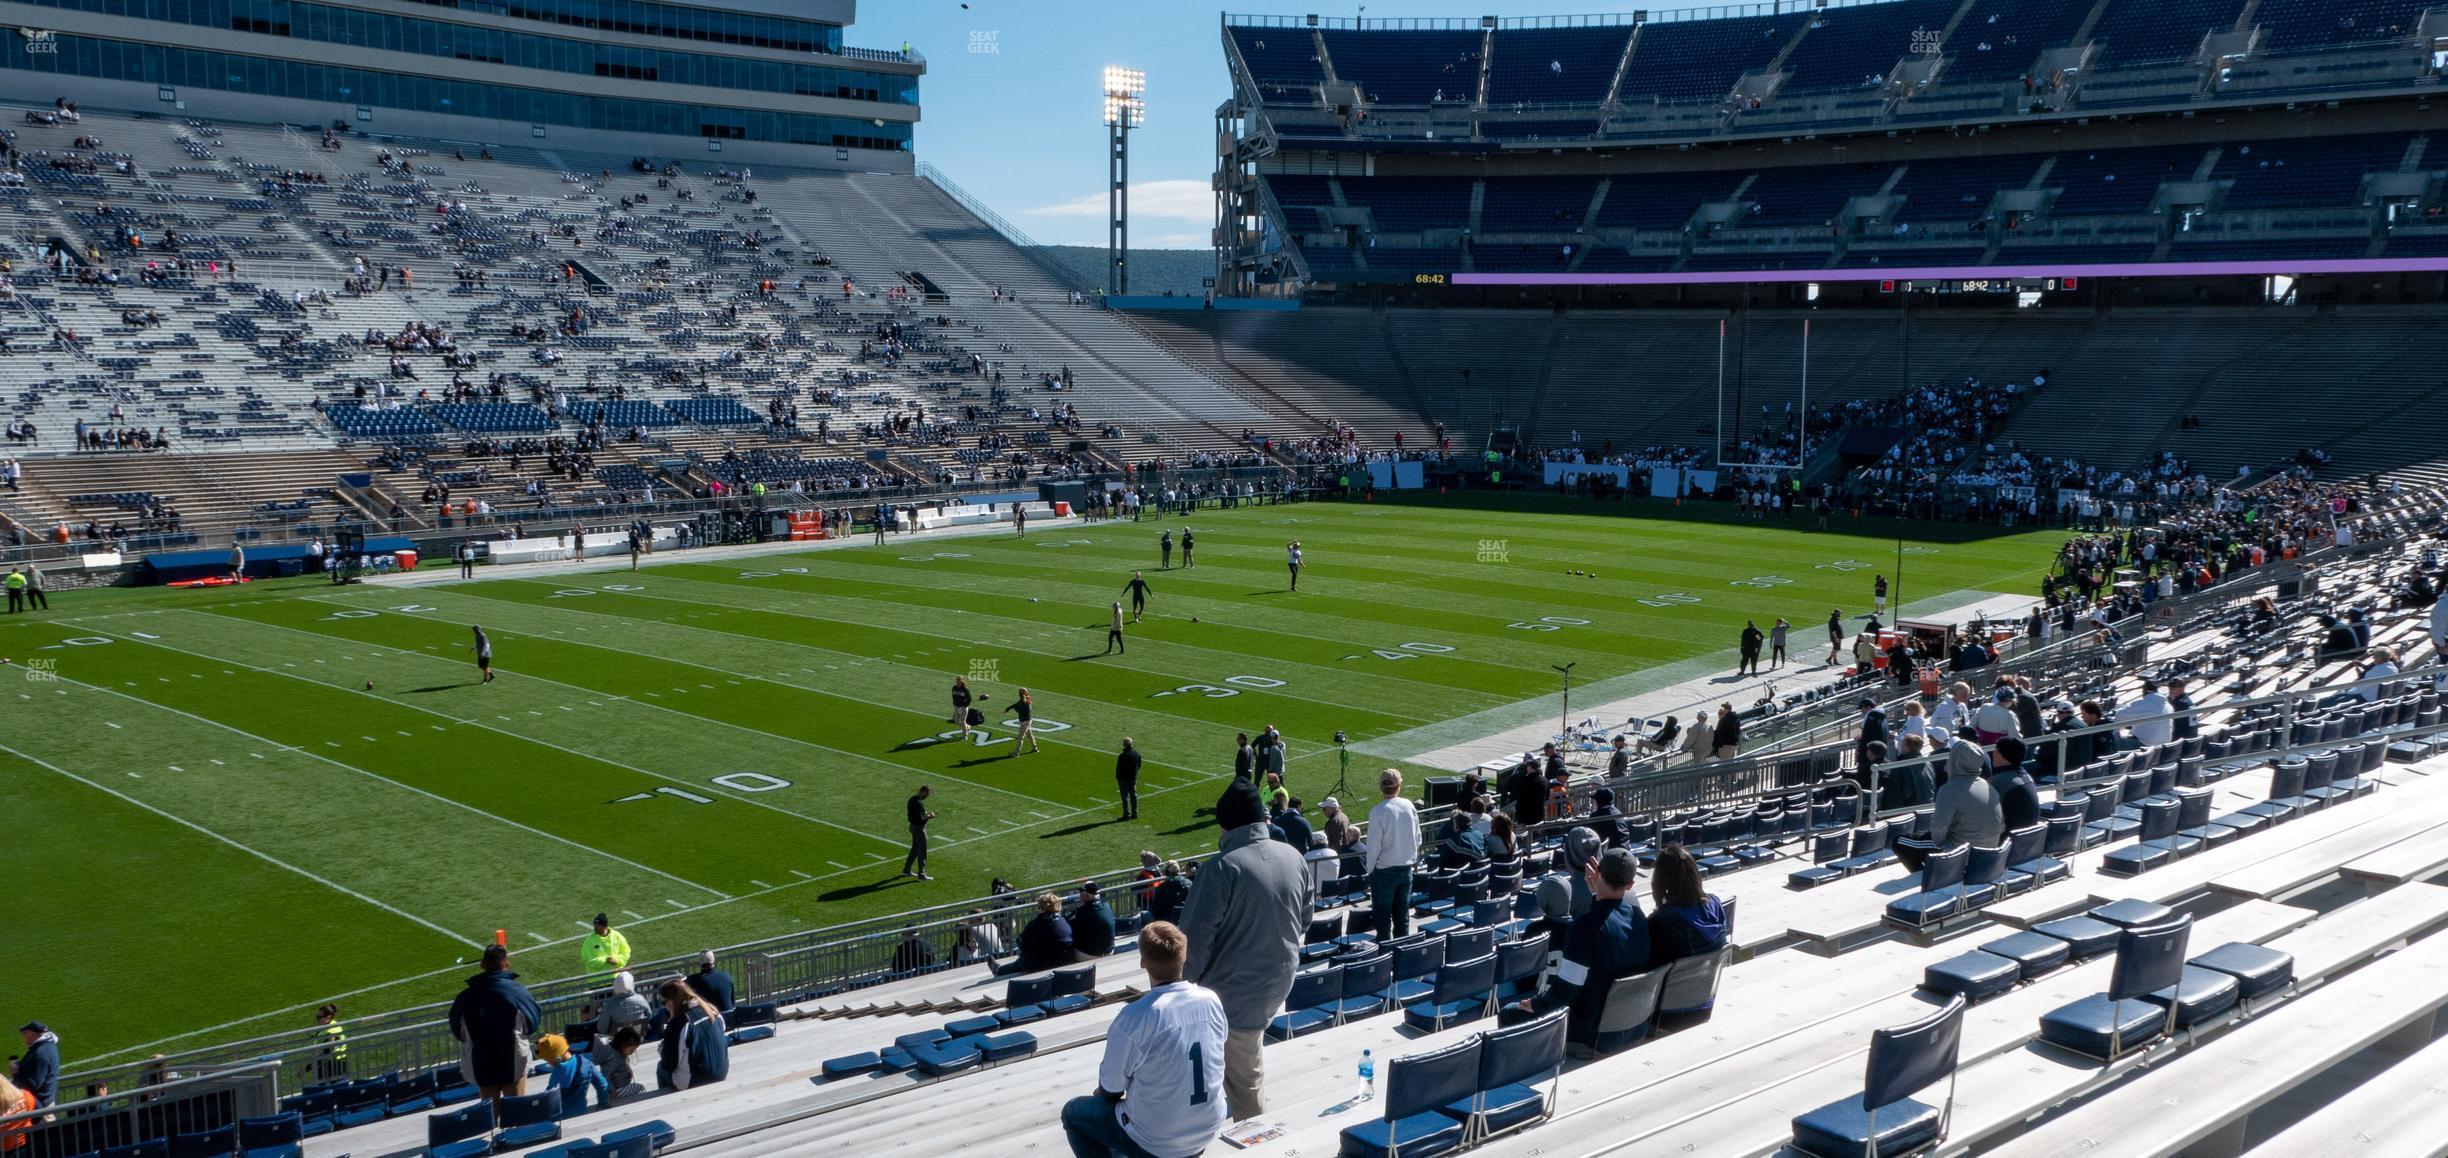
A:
[574, 1074]
[1684, 921]
[696, 1046]
[494, 1018]
[37, 1071]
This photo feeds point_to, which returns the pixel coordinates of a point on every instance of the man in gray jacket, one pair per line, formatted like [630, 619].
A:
[1969, 811]
[1247, 913]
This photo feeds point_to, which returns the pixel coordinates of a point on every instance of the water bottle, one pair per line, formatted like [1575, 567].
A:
[1368, 1076]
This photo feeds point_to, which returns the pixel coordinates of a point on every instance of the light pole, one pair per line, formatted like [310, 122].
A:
[1125, 109]
[1566, 672]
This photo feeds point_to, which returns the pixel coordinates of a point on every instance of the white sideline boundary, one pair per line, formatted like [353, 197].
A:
[241, 846]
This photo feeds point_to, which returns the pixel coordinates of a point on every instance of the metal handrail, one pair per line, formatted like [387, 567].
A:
[156, 1104]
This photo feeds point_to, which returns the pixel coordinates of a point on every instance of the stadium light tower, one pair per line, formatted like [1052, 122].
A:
[1125, 109]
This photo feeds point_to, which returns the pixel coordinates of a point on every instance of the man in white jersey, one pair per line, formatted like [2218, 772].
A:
[1160, 1089]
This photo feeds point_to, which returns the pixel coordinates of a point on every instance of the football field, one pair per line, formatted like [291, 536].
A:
[215, 823]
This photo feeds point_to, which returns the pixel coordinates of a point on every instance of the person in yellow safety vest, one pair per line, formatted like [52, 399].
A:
[332, 1063]
[605, 951]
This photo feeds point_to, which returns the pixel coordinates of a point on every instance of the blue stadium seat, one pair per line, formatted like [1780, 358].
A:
[2105, 1026]
[627, 1148]
[219, 1142]
[999, 1047]
[463, 1133]
[1885, 1118]
[851, 1065]
[1512, 1064]
[528, 1120]
[1418, 1089]
[1308, 1008]
[271, 1136]
[1461, 994]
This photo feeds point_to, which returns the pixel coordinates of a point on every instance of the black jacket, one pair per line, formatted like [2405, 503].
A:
[1126, 766]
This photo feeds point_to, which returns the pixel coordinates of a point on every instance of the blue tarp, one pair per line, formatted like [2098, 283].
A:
[262, 559]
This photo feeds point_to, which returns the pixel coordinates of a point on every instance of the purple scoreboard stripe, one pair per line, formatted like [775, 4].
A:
[1971, 272]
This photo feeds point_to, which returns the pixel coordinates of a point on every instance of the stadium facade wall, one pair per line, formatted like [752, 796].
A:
[775, 128]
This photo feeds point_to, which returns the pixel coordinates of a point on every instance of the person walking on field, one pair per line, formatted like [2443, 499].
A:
[1164, 548]
[467, 560]
[1024, 710]
[1020, 521]
[1836, 635]
[1776, 642]
[1113, 634]
[960, 704]
[914, 864]
[484, 653]
[1138, 589]
[880, 520]
[1292, 559]
[1126, 779]
[1878, 594]
[1188, 545]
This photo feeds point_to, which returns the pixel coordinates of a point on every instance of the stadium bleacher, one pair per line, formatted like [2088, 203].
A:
[1553, 66]
[1857, 47]
[1685, 60]
[1406, 67]
[2253, 923]
[2153, 31]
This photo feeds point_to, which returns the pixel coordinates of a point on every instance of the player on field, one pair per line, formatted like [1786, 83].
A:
[1138, 589]
[960, 704]
[1113, 634]
[1024, 710]
[1292, 560]
[484, 653]
[1878, 593]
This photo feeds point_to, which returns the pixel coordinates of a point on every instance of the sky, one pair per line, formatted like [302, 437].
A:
[1011, 107]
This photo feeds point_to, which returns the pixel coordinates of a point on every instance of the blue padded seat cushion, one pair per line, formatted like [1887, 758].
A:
[1419, 1134]
[1842, 1129]
[1978, 976]
[2087, 1026]
[2259, 971]
[851, 1065]
[2088, 936]
[2199, 994]
[945, 1058]
[2033, 953]
[2132, 914]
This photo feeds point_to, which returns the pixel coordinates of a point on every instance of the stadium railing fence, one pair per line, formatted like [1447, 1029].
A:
[144, 1109]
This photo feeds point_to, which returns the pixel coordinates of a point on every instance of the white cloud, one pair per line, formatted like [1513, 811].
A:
[1179, 200]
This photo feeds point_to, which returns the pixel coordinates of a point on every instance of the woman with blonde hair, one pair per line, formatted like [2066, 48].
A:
[14, 1101]
[695, 1050]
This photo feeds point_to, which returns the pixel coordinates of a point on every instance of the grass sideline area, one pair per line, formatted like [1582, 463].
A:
[218, 825]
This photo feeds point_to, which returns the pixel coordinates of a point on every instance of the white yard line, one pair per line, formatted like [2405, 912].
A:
[241, 846]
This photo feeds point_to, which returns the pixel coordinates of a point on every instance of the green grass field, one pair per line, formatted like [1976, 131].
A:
[214, 825]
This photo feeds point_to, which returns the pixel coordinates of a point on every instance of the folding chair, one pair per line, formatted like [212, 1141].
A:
[1307, 1008]
[462, 1133]
[1512, 1063]
[528, 1120]
[1418, 1089]
[1461, 994]
[2105, 1026]
[1903, 1060]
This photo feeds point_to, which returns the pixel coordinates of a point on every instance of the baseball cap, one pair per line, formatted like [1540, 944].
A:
[1330, 804]
[1617, 868]
[33, 1027]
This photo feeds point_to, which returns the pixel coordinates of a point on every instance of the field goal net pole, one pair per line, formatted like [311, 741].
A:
[1802, 424]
